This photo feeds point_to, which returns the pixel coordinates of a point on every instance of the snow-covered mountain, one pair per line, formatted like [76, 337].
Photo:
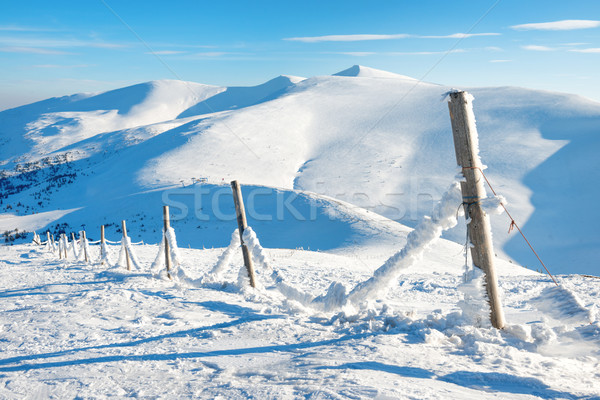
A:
[365, 137]
[327, 164]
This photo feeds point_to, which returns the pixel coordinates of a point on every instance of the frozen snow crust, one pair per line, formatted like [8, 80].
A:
[72, 329]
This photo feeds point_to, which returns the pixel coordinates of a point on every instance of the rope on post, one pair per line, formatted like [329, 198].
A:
[513, 223]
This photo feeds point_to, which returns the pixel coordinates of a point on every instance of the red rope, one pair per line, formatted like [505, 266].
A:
[513, 223]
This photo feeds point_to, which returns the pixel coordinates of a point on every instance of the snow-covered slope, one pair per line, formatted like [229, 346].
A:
[374, 139]
[70, 329]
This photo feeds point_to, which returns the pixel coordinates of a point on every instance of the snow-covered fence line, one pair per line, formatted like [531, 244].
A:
[80, 248]
[337, 296]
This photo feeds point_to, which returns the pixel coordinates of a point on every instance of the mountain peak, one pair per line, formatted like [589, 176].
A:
[367, 72]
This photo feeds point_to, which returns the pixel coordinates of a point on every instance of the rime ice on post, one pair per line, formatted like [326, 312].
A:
[466, 145]
[242, 224]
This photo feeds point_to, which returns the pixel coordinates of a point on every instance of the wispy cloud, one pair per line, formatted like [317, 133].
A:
[365, 37]
[355, 53]
[458, 35]
[166, 52]
[32, 50]
[534, 47]
[564, 25]
[17, 28]
[500, 61]
[590, 50]
[394, 53]
[13, 41]
[211, 54]
[424, 53]
[346, 38]
[61, 66]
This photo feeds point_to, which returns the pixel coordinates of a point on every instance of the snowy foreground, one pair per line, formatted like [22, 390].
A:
[71, 329]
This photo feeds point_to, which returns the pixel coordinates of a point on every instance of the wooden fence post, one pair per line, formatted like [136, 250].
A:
[48, 239]
[242, 225]
[466, 146]
[124, 228]
[65, 244]
[74, 244]
[83, 239]
[166, 223]
[102, 243]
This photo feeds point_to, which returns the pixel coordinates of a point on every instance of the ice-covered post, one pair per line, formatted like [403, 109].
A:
[60, 243]
[74, 243]
[102, 243]
[83, 239]
[166, 223]
[65, 244]
[242, 225]
[466, 146]
[124, 242]
[48, 239]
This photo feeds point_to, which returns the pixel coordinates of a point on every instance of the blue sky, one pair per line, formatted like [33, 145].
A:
[63, 47]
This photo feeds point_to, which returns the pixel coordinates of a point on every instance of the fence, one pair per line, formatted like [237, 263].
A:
[469, 193]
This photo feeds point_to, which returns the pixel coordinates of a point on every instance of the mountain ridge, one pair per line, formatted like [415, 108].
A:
[380, 144]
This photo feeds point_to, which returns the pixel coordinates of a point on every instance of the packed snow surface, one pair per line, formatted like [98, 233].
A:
[71, 329]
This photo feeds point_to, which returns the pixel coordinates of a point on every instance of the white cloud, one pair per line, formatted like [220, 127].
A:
[564, 25]
[166, 52]
[356, 53]
[459, 36]
[590, 50]
[17, 28]
[13, 41]
[61, 66]
[500, 61]
[346, 38]
[424, 53]
[534, 47]
[364, 37]
[32, 50]
[211, 54]
[395, 53]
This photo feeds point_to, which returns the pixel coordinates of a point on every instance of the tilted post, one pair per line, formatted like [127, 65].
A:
[83, 239]
[166, 223]
[242, 225]
[124, 228]
[466, 146]
[102, 243]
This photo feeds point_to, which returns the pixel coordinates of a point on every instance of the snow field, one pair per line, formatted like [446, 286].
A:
[72, 329]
